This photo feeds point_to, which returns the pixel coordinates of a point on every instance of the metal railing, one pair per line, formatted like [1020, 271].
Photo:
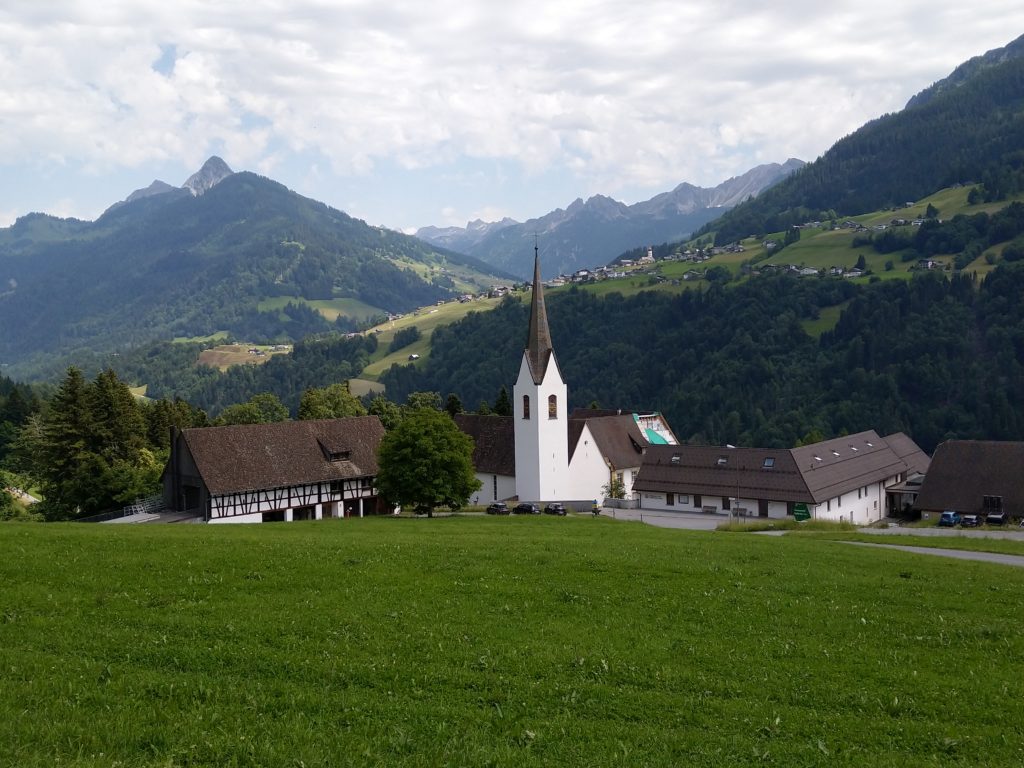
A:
[148, 505]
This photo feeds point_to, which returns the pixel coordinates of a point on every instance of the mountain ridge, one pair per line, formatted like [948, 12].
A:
[968, 127]
[171, 264]
[594, 231]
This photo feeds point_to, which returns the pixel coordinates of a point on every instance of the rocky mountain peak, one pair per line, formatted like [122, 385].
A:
[156, 188]
[212, 173]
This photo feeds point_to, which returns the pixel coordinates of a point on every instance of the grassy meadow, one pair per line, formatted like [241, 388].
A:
[504, 642]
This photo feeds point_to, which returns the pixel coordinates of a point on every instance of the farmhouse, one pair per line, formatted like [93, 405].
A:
[844, 479]
[975, 477]
[291, 470]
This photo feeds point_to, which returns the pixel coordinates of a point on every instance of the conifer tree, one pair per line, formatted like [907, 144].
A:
[503, 404]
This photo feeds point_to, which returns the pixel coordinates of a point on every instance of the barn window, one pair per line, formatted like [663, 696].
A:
[553, 407]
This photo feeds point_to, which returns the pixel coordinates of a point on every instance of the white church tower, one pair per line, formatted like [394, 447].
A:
[539, 409]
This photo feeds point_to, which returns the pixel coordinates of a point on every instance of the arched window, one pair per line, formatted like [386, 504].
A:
[526, 406]
[553, 407]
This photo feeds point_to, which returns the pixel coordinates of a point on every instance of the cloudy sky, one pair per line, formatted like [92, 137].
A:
[413, 113]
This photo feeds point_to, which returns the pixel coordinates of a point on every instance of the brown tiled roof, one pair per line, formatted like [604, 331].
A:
[844, 464]
[248, 457]
[618, 438]
[595, 413]
[812, 473]
[701, 470]
[909, 452]
[962, 472]
[494, 442]
[574, 431]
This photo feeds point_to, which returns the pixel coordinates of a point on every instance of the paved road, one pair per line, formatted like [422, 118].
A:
[694, 521]
[697, 521]
[958, 554]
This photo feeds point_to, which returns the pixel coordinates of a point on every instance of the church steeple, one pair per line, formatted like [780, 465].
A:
[538, 342]
[540, 402]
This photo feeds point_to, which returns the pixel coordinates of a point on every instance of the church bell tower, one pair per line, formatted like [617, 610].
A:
[539, 410]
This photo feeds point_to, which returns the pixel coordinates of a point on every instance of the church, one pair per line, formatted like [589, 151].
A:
[544, 452]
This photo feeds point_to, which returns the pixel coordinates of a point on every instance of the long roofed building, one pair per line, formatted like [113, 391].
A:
[291, 470]
[846, 478]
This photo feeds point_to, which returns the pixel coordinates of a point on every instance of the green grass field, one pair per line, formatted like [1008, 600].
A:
[218, 336]
[503, 642]
[329, 308]
[426, 319]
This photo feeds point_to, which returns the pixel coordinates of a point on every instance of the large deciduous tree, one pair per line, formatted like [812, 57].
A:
[426, 462]
[264, 408]
[333, 402]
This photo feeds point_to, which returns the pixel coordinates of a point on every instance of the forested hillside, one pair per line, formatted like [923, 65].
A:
[172, 265]
[170, 371]
[971, 132]
[934, 356]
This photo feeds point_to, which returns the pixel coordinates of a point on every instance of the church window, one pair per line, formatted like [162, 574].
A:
[553, 407]
[526, 406]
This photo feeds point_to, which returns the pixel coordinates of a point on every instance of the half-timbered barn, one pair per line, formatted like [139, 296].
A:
[292, 470]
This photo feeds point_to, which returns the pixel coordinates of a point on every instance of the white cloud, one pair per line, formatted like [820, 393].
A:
[620, 95]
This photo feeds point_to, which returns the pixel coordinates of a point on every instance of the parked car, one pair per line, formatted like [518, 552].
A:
[970, 521]
[555, 508]
[498, 508]
[996, 518]
[949, 519]
[526, 509]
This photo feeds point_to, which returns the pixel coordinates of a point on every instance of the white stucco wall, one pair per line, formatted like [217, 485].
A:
[257, 518]
[860, 506]
[688, 503]
[542, 452]
[506, 488]
[588, 472]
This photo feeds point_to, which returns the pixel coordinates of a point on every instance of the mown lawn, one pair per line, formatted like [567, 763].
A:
[506, 642]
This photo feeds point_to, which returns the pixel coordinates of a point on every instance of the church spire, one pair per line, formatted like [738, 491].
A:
[538, 343]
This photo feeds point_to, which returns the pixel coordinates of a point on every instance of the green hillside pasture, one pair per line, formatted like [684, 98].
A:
[426, 319]
[330, 308]
[223, 356]
[361, 387]
[627, 286]
[827, 319]
[218, 336]
[465, 278]
[949, 202]
[504, 642]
